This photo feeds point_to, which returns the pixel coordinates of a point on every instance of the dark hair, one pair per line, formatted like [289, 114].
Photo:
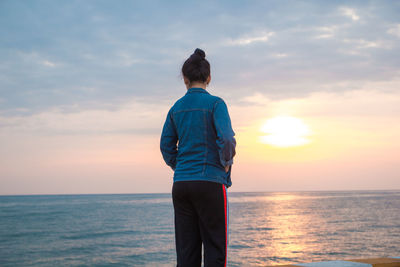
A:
[196, 68]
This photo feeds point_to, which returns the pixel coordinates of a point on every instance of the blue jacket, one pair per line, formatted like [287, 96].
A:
[197, 139]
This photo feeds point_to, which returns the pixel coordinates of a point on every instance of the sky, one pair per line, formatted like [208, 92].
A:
[312, 87]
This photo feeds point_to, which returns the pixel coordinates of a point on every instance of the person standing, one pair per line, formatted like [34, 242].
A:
[198, 143]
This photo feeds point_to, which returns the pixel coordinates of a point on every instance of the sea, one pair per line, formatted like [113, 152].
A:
[138, 229]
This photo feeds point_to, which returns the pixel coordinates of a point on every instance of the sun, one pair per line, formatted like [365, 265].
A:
[285, 131]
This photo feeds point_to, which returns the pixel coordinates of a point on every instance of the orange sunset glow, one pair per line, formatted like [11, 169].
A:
[327, 138]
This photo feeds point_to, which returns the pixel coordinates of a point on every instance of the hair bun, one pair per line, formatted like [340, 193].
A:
[196, 68]
[200, 52]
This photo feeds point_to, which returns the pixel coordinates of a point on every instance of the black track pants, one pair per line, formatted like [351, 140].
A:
[201, 216]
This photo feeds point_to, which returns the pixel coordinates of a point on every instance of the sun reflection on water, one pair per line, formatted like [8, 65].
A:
[281, 235]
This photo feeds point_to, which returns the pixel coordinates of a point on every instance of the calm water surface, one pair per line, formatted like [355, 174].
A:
[137, 229]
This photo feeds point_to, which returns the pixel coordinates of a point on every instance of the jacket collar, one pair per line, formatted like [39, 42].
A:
[196, 89]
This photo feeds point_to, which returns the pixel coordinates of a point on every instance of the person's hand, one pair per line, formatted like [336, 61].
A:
[227, 168]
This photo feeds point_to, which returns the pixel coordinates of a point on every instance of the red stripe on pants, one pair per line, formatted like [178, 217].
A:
[226, 225]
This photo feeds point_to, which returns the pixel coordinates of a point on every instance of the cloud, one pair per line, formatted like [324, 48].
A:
[48, 63]
[394, 30]
[349, 12]
[133, 118]
[107, 54]
[326, 32]
[279, 55]
[367, 102]
[250, 39]
[361, 43]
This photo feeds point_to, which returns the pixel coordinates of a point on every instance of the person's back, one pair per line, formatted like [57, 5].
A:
[202, 126]
[198, 143]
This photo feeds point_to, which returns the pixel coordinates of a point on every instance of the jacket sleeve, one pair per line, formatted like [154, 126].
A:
[169, 139]
[225, 135]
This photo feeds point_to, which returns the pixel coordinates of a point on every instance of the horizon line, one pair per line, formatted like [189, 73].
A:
[160, 193]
